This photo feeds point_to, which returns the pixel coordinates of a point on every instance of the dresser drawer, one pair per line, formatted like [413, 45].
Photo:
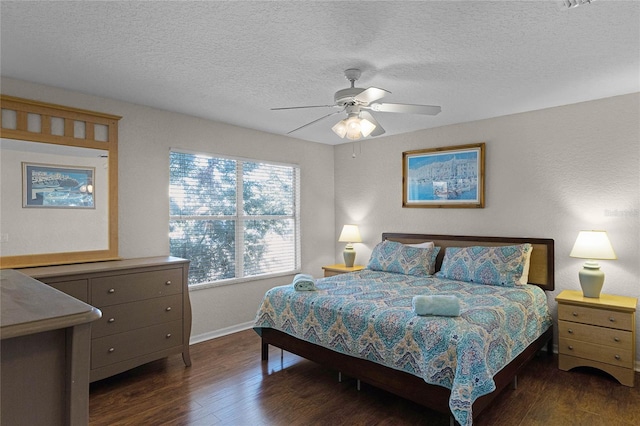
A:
[614, 356]
[129, 316]
[120, 347]
[594, 316]
[74, 288]
[592, 334]
[129, 287]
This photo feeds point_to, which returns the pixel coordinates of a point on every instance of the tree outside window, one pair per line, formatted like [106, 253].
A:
[232, 218]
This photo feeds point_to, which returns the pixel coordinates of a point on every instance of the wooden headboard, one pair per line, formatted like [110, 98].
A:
[541, 271]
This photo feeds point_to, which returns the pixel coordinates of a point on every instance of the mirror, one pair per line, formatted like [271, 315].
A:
[58, 184]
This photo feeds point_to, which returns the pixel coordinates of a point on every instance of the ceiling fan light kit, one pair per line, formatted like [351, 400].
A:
[355, 101]
[353, 128]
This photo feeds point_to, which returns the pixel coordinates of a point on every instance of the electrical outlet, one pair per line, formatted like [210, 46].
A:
[4, 238]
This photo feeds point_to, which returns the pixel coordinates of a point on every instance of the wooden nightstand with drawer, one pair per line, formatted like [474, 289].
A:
[337, 269]
[597, 332]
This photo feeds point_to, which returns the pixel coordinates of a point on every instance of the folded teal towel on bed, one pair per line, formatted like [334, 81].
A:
[438, 304]
[304, 282]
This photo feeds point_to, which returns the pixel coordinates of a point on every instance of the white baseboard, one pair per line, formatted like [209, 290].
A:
[219, 333]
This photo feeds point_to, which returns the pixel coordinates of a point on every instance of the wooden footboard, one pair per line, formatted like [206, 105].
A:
[395, 381]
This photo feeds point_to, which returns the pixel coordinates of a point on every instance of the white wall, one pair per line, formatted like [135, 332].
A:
[549, 174]
[145, 137]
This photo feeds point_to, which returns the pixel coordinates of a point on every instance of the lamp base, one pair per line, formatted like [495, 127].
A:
[349, 255]
[591, 279]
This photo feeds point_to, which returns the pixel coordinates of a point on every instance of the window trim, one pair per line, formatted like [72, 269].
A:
[243, 280]
[240, 220]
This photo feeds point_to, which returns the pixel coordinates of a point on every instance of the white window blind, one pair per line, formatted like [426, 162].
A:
[233, 218]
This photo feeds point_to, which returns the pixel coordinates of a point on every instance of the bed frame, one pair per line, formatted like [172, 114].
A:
[411, 387]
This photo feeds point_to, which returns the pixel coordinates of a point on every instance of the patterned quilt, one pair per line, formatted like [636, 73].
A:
[368, 314]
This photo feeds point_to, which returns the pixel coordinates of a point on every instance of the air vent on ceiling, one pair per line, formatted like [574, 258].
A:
[570, 4]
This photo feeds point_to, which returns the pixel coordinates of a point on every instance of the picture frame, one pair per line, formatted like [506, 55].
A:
[57, 186]
[448, 177]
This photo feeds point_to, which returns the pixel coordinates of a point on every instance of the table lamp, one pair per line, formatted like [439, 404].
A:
[592, 245]
[350, 234]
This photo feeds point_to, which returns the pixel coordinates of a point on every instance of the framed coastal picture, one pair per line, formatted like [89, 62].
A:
[55, 186]
[449, 177]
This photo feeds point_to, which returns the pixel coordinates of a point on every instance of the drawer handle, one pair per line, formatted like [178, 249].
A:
[570, 347]
[575, 314]
[616, 339]
[168, 335]
[168, 308]
[111, 320]
[112, 350]
[168, 282]
[617, 357]
[112, 290]
[612, 319]
[570, 331]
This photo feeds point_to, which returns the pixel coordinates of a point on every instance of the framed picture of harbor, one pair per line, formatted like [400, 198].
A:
[450, 177]
[54, 186]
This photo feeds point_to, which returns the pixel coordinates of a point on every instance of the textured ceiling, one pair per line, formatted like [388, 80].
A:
[231, 61]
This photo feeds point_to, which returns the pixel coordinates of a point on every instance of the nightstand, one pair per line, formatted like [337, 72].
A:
[597, 332]
[336, 269]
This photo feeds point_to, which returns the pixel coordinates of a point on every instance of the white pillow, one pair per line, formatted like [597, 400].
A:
[524, 279]
[426, 244]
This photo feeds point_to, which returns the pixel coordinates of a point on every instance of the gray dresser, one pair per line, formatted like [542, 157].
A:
[146, 311]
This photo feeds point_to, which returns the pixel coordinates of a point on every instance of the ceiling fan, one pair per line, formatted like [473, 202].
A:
[357, 102]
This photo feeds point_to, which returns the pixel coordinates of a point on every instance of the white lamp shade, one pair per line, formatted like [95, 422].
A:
[353, 128]
[366, 127]
[340, 128]
[350, 234]
[593, 245]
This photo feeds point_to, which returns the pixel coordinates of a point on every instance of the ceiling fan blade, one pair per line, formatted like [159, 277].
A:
[371, 94]
[379, 130]
[315, 121]
[407, 108]
[307, 106]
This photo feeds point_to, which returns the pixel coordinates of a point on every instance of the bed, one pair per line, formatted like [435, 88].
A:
[362, 325]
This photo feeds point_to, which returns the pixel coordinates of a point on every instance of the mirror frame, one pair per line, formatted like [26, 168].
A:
[23, 109]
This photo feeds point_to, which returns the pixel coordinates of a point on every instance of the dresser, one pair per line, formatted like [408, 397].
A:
[146, 311]
[597, 332]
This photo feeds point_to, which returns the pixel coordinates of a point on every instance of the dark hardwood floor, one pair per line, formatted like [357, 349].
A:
[228, 384]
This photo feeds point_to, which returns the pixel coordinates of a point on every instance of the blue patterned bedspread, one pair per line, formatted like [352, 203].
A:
[367, 314]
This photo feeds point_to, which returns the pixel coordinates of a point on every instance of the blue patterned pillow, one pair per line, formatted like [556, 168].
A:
[502, 266]
[391, 256]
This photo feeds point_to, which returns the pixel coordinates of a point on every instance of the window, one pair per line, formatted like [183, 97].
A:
[232, 218]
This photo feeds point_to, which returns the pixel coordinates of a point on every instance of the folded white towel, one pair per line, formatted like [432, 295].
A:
[439, 304]
[304, 282]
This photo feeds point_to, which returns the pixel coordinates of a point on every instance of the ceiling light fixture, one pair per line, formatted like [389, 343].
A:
[353, 127]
